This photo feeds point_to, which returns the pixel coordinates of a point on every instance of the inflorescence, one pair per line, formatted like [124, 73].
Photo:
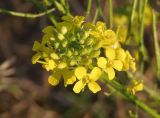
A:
[80, 52]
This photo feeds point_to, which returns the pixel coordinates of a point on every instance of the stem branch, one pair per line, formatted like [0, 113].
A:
[117, 86]
[156, 45]
[110, 14]
[26, 15]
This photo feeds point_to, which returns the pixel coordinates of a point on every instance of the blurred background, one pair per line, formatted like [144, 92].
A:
[24, 90]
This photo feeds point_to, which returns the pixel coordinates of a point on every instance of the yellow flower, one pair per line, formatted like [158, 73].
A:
[67, 75]
[106, 36]
[129, 62]
[113, 61]
[122, 34]
[87, 79]
[135, 87]
[54, 78]
[50, 64]
[109, 37]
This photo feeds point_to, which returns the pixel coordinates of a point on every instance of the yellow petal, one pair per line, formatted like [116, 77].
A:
[80, 72]
[101, 62]
[95, 74]
[110, 53]
[51, 64]
[110, 37]
[125, 65]
[100, 26]
[95, 34]
[78, 87]
[94, 87]
[118, 65]
[133, 66]
[139, 87]
[111, 73]
[62, 65]
[128, 55]
[69, 77]
[122, 34]
[54, 79]
[136, 88]
[120, 54]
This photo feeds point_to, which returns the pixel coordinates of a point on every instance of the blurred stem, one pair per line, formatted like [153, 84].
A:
[41, 7]
[26, 15]
[153, 93]
[133, 11]
[88, 7]
[99, 8]
[117, 86]
[140, 9]
[67, 8]
[156, 45]
[110, 14]
[98, 11]
[132, 14]
[142, 47]
[95, 16]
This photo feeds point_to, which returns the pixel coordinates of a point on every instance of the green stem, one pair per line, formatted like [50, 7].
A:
[132, 14]
[88, 7]
[153, 93]
[140, 9]
[117, 86]
[40, 7]
[100, 8]
[110, 14]
[156, 45]
[26, 15]
[142, 47]
[133, 10]
[95, 16]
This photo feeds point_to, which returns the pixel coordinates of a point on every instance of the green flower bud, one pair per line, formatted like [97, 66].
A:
[73, 62]
[54, 56]
[60, 36]
[64, 30]
[69, 53]
[64, 44]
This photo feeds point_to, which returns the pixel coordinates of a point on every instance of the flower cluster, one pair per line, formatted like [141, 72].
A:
[80, 52]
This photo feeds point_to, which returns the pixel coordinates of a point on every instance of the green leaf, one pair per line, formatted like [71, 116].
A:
[36, 46]
[48, 29]
[46, 38]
